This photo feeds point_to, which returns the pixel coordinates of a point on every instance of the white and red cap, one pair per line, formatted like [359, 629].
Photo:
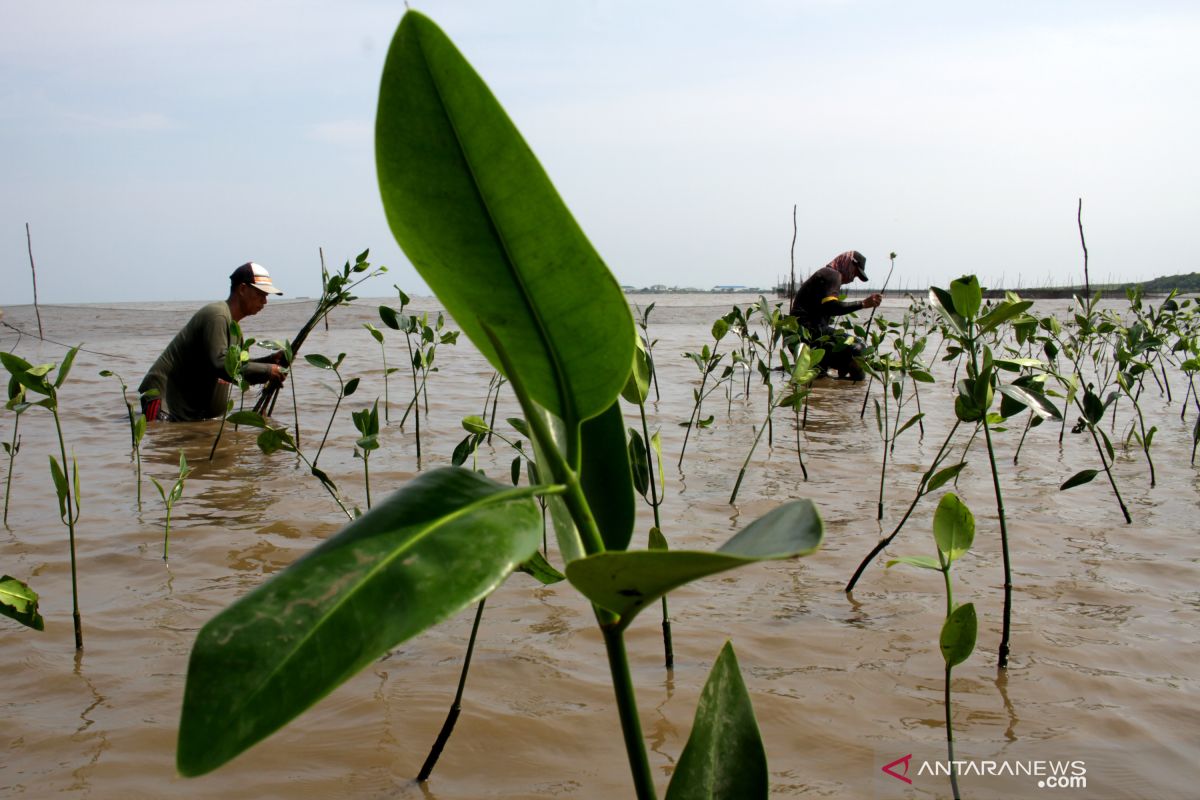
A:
[256, 275]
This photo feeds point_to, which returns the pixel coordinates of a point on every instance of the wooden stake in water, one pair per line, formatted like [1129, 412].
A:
[33, 271]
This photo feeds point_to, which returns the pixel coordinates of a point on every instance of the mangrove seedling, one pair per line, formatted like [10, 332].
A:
[171, 497]
[337, 290]
[953, 532]
[799, 384]
[651, 486]
[642, 318]
[706, 361]
[137, 428]
[479, 218]
[35, 379]
[272, 439]
[959, 308]
[236, 357]
[19, 602]
[377, 335]
[366, 422]
[344, 389]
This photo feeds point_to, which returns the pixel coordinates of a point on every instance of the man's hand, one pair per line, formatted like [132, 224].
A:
[279, 357]
[278, 374]
[873, 301]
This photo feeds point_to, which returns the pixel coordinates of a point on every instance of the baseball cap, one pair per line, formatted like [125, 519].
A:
[256, 275]
[860, 266]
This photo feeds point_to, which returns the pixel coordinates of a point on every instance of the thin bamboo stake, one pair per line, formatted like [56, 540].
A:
[33, 271]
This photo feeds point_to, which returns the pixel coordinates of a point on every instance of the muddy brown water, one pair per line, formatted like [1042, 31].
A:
[1104, 660]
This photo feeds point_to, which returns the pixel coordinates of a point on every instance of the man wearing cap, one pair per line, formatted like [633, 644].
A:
[188, 381]
[817, 302]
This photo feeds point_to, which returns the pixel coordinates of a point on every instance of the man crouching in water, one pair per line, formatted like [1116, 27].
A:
[189, 377]
[816, 303]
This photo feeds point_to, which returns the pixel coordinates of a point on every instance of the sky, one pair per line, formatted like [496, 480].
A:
[152, 147]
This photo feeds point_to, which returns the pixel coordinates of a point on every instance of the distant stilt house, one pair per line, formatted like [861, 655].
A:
[729, 288]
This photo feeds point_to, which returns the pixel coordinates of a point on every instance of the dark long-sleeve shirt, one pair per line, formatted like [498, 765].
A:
[190, 372]
[816, 301]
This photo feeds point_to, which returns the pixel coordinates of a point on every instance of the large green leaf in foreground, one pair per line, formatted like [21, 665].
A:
[480, 220]
[724, 758]
[433, 548]
[627, 582]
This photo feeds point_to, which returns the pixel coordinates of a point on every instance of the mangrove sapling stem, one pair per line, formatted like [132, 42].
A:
[1021, 443]
[950, 736]
[611, 627]
[668, 647]
[1002, 662]
[882, 544]
[631, 724]
[72, 476]
[12, 448]
[456, 707]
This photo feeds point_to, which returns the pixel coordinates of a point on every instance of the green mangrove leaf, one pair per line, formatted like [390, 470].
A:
[65, 369]
[1002, 313]
[1078, 479]
[1037, 402]
[250, 418]
[520, 426]
[720, 328]
[75, 484]
[626, 582]
[430, 550]
[475, 424]
[924, 562]
[943, 476]
[19, 602]
[375, 333]
[1017, 364]
[637, 388]
[318, 360]
[953, 527]
[27, 375]
[639, 462]
[60, 486]
[389, 317]
[656, 446]
[941, 302]
[351, 387]
[463, 450]
[541, 570]
[607, 477]
[967, 296]
[481, 222]
[958, 634]
[724, 758]
[913, 420]
[657, 541]
[272, 440]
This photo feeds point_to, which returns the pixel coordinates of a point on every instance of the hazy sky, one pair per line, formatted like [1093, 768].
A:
[154, 146]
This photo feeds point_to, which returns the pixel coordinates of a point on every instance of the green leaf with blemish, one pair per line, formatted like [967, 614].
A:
[435, 547]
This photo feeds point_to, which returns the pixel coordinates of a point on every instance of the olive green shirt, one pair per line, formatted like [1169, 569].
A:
[190, 374]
